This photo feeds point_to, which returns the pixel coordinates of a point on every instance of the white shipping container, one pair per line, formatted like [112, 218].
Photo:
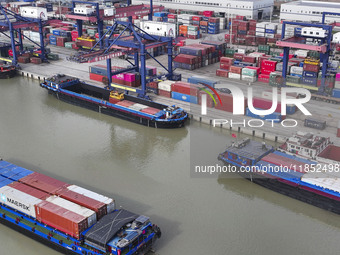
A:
[78, 209]
[34, 12]
[83, 10]
[260, 34]
[248, 78]
[296, 70]
[110, 203]
[109, 12]
[260, 29]
[269, 35]
[19, 200]
[301, 53]
[158, 28]
[336, 37]
[234, 76]
[165, 85]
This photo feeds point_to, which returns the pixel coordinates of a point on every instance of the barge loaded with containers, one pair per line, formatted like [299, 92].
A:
[124, 106]
[69, 218]
[308, 180]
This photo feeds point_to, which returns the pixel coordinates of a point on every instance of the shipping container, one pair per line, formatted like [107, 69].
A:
[19, 200]
[286, 161]
[227, 102]
[29, 190]
[76, 208]
[185, 88]
[274, 117]
[60, 218]
[314, 123]
[202, 80]
[43, 182]
[165, 85]
[164, 93]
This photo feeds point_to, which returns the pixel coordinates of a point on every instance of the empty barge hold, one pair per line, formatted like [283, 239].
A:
[28, 204]
[126, 107]
[286, 174]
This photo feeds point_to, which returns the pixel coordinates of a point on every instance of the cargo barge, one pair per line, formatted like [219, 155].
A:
[69, 218]
[286, 174]
[7, 71]
[123, 106]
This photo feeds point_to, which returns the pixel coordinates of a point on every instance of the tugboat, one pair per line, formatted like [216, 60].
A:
[7, 71]
[128, 107]
[288, 174]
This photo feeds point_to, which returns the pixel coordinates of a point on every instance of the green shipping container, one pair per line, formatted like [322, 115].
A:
[293, 79]
[52, 56]
[229, 52]
[69, 45]
[249, 72]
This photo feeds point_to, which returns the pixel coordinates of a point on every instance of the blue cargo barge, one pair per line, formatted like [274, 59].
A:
[283, 173]
[131, 108]
[119, 232]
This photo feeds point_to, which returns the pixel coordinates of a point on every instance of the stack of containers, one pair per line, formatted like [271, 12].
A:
[275, 79]
[172, 18]
[225, 64]
[164, 88]
[311, 69]
[249, 75]
[261, 29]
[242, 31]
[213, 25]
[184, 91]
[235, 72]
[193, 32]
[291, 109]
[329, 81]
[186, 19]
[183, 30]
[265, 104]
[227, 102]
[270, 30]
[188, 62]
[196, 20]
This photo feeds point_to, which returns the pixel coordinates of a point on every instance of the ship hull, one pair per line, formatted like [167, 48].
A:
[91, 105]
[7, 74]
[294, 191]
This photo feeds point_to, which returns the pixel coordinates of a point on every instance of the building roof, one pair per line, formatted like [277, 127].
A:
[314, 4]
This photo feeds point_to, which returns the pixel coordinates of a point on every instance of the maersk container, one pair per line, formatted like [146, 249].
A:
[202, 80]
[83, 211]
[19, 200]
[43, 182]
[275, 117]
[94, 205]
[110, 203]
[184, 97]
[60, 218]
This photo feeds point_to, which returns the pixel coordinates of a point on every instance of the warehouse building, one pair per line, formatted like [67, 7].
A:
[309, 11]
[252, 9]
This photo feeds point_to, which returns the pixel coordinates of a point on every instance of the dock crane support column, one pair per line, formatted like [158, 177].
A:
[136, 57]
[42, 44]
[20, 40]
[169, 46]
[151, 10]
[143, 67]
[80, 27]
[285, 63]
[11, 32]
[109, 71]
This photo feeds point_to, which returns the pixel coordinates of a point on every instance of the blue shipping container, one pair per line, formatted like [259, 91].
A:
[270, 31]
[277, 117]
[98, 70]
[301, 64]
[294, 74]
[336, 93]
[56, 32]
[297, 31]
[310, 74]
[196, 80]
[191, 51]
[184, 97]
[309, 81]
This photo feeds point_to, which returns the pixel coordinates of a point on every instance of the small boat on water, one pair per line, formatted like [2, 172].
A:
[7, 71]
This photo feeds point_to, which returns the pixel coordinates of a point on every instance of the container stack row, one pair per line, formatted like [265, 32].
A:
[195, 56]
[68, 208]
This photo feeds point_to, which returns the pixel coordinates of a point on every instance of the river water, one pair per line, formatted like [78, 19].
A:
[149, 171]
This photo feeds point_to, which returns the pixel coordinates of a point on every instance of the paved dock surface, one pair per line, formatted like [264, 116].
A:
[320, 110]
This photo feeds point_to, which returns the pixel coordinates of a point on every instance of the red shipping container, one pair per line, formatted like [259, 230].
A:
[264, 78]
[311, 68]
[113, 100]
[238, 56]
[338, 133]
[164, 93]
[208, 13]
[150, 110]
[284, 161]
[125, 103]
[239, 17]
[94, 205]
[328, 83]
[236, 69]
[227, 103]
[23, 60]
[75, 47]
[60, 218]
[152, 84]
[222, 73]
[185, 88]
[210, 101]
[196, 18]
[187, 59]
[214, 20]
[43, 182]
[227, 60]
[225, 66]
[266, 104]
[97, 77]
[35, 60]
[29, 190]
[172, 16]
[249, 59]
